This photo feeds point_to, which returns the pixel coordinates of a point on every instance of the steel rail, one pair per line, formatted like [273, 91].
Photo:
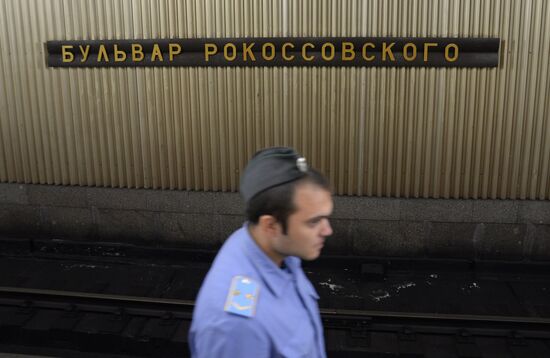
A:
[99, 296]
[96, 302]
[434, 316]
[355, 320]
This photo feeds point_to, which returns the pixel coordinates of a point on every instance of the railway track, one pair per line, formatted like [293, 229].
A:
[142, 326]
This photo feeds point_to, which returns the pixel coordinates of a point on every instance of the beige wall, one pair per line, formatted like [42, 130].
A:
[451, 133]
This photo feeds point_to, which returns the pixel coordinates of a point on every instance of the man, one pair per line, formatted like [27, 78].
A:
[256, 301]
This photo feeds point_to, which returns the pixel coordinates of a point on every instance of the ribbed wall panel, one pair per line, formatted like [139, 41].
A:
[415, 132]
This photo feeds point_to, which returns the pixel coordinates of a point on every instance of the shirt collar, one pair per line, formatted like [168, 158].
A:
[273, 276]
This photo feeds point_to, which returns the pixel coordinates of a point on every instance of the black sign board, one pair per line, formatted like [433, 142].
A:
[302, 51]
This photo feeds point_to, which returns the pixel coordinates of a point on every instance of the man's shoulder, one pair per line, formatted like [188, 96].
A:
[226, 300]
[230, 264]
[231, 260]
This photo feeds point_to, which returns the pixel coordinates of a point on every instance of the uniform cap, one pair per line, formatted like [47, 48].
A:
[269, 168]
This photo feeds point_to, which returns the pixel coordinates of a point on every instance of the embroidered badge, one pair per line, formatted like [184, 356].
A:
[242, 297]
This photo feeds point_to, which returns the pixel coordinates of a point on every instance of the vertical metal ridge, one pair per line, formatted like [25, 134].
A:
[361, 134]
[14, 108]
[7, 166]
[431, 136]
[37, 159]
[20, 82]
[531, 94]
[517, 106]
[77, 116]
[542, 190]
[510, 93]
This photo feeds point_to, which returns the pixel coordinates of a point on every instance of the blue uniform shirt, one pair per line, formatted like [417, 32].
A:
[249, 307]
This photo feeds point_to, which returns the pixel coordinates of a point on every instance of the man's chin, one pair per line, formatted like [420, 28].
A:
[312, 256]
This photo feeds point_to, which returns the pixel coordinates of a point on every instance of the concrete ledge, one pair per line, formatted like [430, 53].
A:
[111, 198]
[125, 225]
[228, 224]
[495, 211]
[501, 241]
[366, 208]
[436, 210]
[201, 229]
[536, 212]
[55, 195]
[194, 202]
[19, 220]
[451, 240]
[392, 238]
[541, 249]
[13, 194]
[341, 242]
[73, 223]
[432, 228]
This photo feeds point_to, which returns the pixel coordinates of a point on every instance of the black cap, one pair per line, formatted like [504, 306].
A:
[269, 168]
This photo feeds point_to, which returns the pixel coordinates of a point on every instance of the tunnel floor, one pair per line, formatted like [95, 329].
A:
[347, 283]
[354, 283]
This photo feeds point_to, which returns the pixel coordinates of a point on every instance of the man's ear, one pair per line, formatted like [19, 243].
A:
[269, 225]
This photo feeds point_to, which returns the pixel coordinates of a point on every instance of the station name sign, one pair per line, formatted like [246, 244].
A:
[270, 52]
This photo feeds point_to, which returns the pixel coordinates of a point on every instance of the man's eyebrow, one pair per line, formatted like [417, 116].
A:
[318, 218]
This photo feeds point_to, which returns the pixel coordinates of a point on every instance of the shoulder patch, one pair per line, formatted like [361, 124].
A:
[242, 297]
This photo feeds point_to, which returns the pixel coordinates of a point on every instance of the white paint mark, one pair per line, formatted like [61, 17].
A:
[380, 295]
[83, 266]
[330, 285]
[404, 285]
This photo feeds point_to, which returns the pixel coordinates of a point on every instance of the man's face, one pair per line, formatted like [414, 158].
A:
[308, 226]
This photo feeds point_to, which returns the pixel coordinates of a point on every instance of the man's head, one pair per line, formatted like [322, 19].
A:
[287, 203]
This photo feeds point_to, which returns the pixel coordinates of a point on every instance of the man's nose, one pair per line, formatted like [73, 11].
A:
[327, 228]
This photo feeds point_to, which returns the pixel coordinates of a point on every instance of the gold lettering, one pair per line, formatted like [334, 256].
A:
[157, 53]
[264, 51]
[120, 56]
[137, 53]
[427, 46]
[324, 51]
[209, 50]
[447, 57]
[285, 57]
[66, 54]
[226, 52]
[173, 49]
[102, 53]
[247, 50]
[304, 53]
[386, 50]
[348, 51]
[367, 58]
[85, 52]
[406, 52]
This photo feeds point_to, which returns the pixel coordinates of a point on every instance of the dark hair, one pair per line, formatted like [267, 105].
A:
[279, 201]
